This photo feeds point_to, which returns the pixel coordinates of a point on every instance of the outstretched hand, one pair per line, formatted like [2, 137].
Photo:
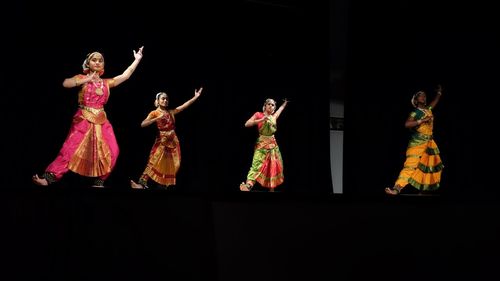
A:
[138, 54]
[197, 92]
[439, 89]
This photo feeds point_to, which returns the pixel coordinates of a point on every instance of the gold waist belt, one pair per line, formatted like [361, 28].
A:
[94, 115]
[91, 109]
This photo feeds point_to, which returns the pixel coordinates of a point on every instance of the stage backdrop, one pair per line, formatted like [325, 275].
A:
[240, 53]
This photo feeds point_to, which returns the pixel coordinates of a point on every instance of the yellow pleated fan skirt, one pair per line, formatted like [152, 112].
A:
[422, 168]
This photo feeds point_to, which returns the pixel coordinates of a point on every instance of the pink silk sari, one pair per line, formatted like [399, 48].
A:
[90, 148]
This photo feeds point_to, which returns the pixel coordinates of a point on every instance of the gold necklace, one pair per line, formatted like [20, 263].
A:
[98, 87]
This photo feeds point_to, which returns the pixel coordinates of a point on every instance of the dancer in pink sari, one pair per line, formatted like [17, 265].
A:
[267, 164]
[165, 156]
[90, 148]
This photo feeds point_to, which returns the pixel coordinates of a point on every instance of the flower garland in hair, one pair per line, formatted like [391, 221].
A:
[414, 98]
[85, 65]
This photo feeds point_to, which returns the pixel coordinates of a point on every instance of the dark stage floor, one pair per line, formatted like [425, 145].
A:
[110, 234]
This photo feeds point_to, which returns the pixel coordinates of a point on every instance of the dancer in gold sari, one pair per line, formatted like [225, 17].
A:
[422, 168]
[165, 156]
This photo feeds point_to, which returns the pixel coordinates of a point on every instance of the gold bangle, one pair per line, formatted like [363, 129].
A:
[76, 82]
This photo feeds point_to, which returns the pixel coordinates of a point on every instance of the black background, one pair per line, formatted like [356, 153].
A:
[400, 47]
[372, 56]
[241, 53]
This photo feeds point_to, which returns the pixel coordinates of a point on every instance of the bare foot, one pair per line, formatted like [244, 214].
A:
[99, 183]
[245, 187]
[392, 191]
[135, 185]
[39, 181]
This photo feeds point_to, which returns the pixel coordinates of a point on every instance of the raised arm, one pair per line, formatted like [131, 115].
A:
[439, 92]
[197, 93]
[128, 72]
[280, 109]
